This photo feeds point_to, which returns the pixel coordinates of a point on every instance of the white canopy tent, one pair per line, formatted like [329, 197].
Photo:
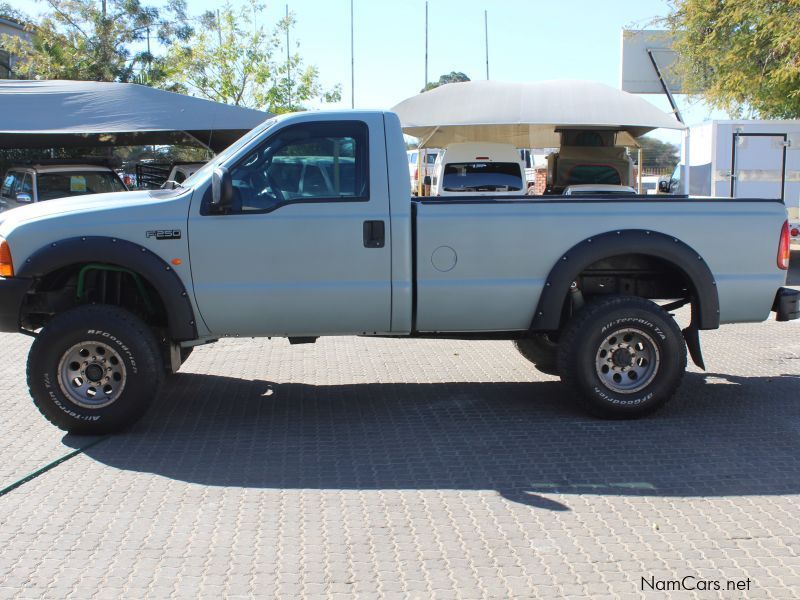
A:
[50, 114]
[528, 115]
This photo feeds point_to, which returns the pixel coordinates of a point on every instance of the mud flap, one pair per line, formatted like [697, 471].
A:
[692, 336]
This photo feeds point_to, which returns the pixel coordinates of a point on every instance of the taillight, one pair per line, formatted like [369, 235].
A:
[416, 173]
[795, 232]
[6, 265]
[783, 248]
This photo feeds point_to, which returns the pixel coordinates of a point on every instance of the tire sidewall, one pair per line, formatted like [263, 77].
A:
[670, 369]
[140, 385]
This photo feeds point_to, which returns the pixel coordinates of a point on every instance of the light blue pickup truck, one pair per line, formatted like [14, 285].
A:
[305, 227]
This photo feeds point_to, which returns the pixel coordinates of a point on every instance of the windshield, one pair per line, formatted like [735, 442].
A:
[228, 152]
[482, 177]
[76, 183]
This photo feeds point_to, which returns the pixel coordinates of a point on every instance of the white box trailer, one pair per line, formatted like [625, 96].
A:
[743, 159]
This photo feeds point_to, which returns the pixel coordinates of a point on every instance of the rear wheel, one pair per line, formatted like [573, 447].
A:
[94, 369]
[624, 356]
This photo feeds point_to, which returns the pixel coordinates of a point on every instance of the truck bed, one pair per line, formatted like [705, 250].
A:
[481, 261]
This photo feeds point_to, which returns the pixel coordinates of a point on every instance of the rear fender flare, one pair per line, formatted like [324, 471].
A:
[705, 299]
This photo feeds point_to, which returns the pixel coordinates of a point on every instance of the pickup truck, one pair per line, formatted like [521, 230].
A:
[117, 289]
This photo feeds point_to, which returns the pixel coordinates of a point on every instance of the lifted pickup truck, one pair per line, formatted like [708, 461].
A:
[305, 227]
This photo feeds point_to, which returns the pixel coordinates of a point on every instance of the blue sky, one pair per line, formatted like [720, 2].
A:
[528, 40]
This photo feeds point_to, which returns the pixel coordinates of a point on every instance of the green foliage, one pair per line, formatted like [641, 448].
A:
[451, 77]
[91, 40]
[658, 155]
[231, 59]
[740, 55]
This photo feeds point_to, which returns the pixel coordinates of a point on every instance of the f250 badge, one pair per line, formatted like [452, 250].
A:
[164, 234]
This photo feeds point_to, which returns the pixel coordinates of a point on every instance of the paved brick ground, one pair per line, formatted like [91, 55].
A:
[410, 469]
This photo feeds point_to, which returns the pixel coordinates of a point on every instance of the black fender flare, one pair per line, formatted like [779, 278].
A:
[126, 254]
[705, 299]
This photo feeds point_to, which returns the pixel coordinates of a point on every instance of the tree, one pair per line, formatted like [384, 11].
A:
[233, 60]
[740, 55]
[91, 40]
[658, 155]
[451, 77]
[9, 12]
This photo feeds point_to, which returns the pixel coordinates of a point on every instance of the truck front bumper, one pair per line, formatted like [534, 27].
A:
[787, 304]
[12, 293]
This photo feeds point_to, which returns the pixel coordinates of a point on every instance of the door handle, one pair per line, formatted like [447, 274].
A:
[374, 234]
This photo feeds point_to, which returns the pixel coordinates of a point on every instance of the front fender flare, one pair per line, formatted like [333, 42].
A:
[705, 299]
[121, 253]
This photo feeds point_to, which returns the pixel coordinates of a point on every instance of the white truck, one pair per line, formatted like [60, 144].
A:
[47, 180]
[742, 159]
[305, 227]
[478, 168]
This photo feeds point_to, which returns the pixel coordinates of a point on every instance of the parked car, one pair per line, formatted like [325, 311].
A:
[430, 155]
[118, 290]
[479, 168]
[27, 184]
[598, 189]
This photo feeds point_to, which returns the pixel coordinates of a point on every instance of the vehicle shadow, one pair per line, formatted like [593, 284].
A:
[722, 435]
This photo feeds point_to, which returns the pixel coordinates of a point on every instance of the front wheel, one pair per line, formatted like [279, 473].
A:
[94, 369]
[624, 356]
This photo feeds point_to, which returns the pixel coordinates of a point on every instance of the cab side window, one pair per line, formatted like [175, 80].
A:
[25, 186]
[313, 162]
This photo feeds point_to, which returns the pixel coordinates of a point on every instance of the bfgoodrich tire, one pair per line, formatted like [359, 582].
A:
[541, 351]
[623, 356]
[94, 369]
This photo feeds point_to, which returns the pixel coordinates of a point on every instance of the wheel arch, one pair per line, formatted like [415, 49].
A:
[174, 297]
[670, 250]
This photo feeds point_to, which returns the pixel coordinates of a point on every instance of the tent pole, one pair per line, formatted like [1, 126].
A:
[425, 141]
[640, 166]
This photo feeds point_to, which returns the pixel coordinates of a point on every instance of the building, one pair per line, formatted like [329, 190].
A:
[14, 28]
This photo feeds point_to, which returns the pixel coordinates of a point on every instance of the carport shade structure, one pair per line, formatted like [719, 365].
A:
[528, 114]
[55, 114]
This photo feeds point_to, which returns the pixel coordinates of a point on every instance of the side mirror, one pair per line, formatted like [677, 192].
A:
[663, 186]
[24, 198]
[221, 190]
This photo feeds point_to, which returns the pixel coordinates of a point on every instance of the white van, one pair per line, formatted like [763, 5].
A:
[430, 155]
[479, 168]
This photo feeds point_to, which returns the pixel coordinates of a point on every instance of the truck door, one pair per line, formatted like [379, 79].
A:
[758, 165]
[305, 248]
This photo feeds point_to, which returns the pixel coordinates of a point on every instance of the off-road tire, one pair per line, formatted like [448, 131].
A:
[128, 340]
[582, 352]
[540, 350]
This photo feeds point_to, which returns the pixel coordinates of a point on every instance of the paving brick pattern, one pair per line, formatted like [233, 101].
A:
[376, 468]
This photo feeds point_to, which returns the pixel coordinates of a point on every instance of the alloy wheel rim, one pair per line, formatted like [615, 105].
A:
[627, 360]
[92, 374]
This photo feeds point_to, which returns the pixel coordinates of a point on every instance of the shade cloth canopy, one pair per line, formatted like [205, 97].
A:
[527, 115]
[53, 114]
